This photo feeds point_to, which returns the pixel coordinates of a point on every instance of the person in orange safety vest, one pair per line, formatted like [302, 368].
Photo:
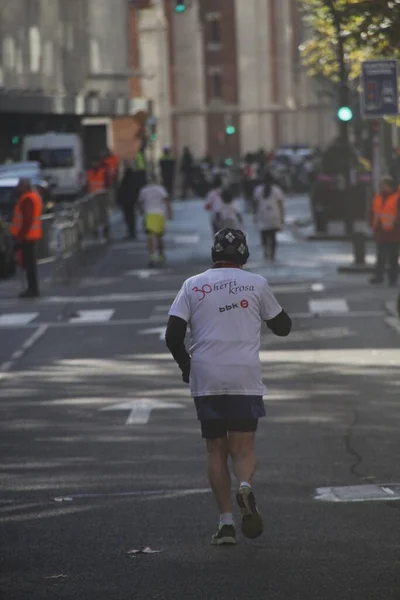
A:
[97, 178]
[111, 163]
[26, 230]
[385, 223]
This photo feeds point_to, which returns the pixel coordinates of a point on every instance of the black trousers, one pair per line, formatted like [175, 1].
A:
[387, 255]
[30, 266]
[268, 240]
[129, 212]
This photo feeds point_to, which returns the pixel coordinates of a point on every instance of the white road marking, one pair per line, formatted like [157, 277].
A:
[186, 239]
[165, 493]
[328, 306]
[147, 273]
[334, 315]
[162, 309]
[394, 323]
[317, 287]
[358, 493]
[155, 330]
[110, 298]
[27, 345]
[93, 316]
[140, 409]
[346, 359]
[16, 319]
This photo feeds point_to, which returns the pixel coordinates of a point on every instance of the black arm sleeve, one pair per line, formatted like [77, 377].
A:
[175, 340]
[281, 325]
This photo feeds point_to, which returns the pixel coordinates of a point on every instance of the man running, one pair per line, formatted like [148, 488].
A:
[155, 205]
[225, 307]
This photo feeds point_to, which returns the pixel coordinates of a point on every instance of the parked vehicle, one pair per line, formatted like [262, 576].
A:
[61, 158]
[7, 255]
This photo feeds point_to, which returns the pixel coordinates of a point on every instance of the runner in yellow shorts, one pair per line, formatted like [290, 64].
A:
[155, 224]
[155, 205]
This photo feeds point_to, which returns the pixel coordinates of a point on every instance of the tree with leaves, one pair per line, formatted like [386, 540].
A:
[365, 29]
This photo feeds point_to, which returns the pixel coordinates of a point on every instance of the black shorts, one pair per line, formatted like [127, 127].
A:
[221, 414]
[217, 428]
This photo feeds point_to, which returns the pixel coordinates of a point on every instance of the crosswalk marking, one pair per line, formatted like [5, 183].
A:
[92, 316]
[328, 306]
[18, 318]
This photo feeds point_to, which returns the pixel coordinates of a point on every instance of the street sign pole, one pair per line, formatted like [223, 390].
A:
[379, 98]
[376, 155]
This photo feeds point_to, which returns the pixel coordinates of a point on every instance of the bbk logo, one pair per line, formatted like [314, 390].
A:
[228, 307]
[242, 304]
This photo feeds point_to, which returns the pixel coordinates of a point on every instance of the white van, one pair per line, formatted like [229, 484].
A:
[61, 158]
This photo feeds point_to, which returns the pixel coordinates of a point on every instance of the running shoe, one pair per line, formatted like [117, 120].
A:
[226, 535]
[252, 525]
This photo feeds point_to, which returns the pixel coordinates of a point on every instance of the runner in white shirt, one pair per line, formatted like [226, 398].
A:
[225, 307]
[155, 205]
[213, 202]
[269, 214]
[228, 215]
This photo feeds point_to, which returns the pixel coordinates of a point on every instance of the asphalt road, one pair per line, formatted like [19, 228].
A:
[81, 486]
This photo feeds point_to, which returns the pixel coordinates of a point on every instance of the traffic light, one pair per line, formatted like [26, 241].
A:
[345, 114]
[230, 130]
[180, 6]
[152, 128]
[15, 140]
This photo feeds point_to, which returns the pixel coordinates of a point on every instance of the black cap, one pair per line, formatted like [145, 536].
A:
[230, 245]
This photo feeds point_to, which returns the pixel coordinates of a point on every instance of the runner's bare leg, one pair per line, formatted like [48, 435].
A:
[241, 450]
[151, 244]
[218, 473]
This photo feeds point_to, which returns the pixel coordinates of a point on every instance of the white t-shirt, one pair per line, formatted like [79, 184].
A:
[152, 198]
[225, 309]
[229, 215]
[268, 214]
[214, 201]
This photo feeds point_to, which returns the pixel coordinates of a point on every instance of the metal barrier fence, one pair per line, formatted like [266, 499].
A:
[65, 230]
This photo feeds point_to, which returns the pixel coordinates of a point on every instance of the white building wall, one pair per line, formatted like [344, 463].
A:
[189, 81]
[303, 117]
[254, 74]
[155, 64]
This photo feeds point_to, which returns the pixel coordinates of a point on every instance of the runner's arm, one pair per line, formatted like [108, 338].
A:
[280, 325]
[175, 340]
[277, 320]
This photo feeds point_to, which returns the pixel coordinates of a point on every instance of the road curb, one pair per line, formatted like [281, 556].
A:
[356, 269]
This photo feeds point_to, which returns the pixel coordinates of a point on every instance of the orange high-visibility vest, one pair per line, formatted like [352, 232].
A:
[96, 180]
[111, 163]
[384, 211]
[35, 231]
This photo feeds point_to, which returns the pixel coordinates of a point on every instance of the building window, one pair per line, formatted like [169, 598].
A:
[48, 59]
[95, 62]
[215, 32]
[34, 49]
[9, 53]
[216, 85]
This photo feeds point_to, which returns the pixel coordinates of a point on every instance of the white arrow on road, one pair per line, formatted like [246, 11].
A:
[146, 273]
[140, 409]
[155, 330]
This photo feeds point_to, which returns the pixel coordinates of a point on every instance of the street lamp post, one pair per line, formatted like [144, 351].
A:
[344, 117]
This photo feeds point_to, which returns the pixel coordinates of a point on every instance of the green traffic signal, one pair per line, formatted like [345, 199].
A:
[230, 130]
[229, 162]
[345, 114]
[15, 140]
[180, 7]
